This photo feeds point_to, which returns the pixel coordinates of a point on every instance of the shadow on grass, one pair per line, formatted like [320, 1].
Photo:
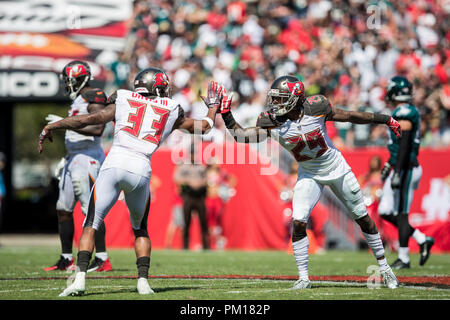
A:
[133, 291]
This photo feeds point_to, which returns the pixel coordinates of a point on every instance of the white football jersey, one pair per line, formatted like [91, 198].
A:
[308, 141]
[76, 142]
[141, 125]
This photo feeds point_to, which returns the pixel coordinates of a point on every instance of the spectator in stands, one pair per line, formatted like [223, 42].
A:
[327, 44]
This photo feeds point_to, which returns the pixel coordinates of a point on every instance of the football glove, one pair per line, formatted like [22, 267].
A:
[51, 118]
[395, 182]
[214, 95]
[395, 127]
[225, 104]
[385, 171]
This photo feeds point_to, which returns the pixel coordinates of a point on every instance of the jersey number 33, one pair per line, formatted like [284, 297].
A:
[137, 118]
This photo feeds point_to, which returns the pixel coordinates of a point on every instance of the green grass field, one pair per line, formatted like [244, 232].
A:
[22, 276]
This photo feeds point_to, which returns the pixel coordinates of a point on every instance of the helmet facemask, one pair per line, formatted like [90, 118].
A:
[281, 102]
[73, 83]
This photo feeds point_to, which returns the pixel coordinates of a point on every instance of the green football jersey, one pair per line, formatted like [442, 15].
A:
[406, 112]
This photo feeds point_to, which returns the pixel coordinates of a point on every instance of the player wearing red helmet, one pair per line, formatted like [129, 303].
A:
[298, 123]
[79, 169]
[144, 118]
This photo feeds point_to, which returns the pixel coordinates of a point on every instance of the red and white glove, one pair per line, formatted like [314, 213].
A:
[225, 104]
[214, 95]
[395, 127]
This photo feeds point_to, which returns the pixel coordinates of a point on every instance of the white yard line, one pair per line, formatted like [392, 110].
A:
[61, 289]
[252, 282]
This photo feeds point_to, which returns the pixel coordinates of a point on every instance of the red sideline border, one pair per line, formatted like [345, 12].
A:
[440, 281]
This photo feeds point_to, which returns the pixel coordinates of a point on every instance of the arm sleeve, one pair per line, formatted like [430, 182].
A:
[404, 149]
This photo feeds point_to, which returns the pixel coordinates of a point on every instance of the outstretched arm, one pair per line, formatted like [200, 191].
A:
[243, 135]
[78, 122]
[196, 126]
[212, 101]
[96, 100]
[357, 117]
[240, 134]
[93, 129]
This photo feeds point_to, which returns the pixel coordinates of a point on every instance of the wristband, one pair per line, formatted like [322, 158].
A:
[211, 123]
[228, 119]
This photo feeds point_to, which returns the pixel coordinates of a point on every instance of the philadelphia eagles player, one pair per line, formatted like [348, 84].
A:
[298, 123]
[402, 172]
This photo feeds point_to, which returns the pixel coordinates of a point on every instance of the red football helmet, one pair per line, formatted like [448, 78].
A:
[285, 94]
[75, 76]
[152, 82]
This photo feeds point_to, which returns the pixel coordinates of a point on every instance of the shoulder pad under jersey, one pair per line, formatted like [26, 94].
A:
[94, 96]
[317, 106]
[406, 112]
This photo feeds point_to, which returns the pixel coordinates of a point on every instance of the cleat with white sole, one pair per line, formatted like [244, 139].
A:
[389, 279]
[143, 287]
[301, 284]
[77, 288]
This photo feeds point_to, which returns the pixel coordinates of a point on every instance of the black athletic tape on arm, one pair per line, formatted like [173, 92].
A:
[404, 149]
[381, 118]
[228, 119]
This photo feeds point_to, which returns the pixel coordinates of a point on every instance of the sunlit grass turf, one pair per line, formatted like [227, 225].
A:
[28, 262]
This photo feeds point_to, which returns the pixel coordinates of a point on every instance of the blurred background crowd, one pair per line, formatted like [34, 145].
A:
[344, 49]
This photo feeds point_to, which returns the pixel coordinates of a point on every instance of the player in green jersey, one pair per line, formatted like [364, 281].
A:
[402, 173]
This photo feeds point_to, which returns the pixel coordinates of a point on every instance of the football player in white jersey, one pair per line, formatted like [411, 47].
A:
[144, 118]
[80, 166]
[298, 123]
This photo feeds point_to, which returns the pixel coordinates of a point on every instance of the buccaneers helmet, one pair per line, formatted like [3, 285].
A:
[152, 82]
[75, 75]
[285, 94]
[399, 89]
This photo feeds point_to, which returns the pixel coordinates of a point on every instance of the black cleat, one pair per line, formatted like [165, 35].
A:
[62, 264]
[425, 250]
[399, 264]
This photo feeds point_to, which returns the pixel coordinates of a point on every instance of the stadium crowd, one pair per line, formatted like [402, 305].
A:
[344, 49]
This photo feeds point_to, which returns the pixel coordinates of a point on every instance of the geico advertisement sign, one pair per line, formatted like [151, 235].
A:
[23, 84]
[42, 63]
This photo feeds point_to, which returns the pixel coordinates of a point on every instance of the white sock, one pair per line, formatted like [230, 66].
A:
[382, 263]
[375, 244]
[403, 254]
[67, 256]
[419, 236]
[102, 255]
[300, 249]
